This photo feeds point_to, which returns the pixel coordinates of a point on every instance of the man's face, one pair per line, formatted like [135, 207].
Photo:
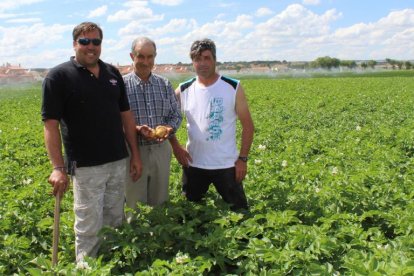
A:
[204, 64]
[87, 55]
[143, 58]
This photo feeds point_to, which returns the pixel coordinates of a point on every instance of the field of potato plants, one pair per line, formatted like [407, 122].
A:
[330, 185]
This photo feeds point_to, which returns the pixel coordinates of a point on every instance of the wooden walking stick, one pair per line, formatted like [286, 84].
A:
[56, 230]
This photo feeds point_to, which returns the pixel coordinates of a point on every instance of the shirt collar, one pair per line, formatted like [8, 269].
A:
[151, 79]
[78, 65]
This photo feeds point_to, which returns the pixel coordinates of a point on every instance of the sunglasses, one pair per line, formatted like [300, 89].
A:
[87, 41]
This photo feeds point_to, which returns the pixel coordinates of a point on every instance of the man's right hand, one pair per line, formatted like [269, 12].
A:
[182, 155]
[146, 132]
[59, 181]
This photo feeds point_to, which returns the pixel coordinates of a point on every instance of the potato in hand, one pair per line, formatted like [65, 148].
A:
[160, 131]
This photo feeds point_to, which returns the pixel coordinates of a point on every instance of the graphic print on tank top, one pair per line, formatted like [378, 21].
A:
[215, 119]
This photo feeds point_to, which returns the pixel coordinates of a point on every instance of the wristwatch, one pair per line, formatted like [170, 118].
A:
[243, 158]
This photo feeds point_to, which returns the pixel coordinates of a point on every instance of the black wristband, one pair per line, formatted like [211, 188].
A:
[243, 158]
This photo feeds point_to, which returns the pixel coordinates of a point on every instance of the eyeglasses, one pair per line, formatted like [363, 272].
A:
[87, 41]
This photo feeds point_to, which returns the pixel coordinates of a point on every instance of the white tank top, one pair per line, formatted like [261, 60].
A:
[211, 122]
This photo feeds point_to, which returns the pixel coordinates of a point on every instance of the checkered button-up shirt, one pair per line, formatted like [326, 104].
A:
[153, 103]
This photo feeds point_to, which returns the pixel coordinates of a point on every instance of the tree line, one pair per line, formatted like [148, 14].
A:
[329, 63]
[325, 62]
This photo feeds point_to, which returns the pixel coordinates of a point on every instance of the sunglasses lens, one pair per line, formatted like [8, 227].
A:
[87, 41]
[96, 41]
[84, 41]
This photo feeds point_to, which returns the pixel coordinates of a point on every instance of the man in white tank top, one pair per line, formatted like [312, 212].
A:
[212, 104]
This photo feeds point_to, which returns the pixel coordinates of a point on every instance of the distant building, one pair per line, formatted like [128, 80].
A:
[16, 74]
[158, 69]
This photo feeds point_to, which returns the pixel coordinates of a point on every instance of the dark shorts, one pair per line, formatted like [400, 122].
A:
[196, 182]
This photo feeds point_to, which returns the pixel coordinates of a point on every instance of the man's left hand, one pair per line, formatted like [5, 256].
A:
[167, 134]
[135, 168]
[241, 170]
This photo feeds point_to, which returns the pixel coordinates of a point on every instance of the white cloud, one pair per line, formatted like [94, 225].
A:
[311, 2]
[26, 38]
[226, 5]
[159, 34]
[390, 36]
[135, 3]
[296, 22]
[134, 10]
[263, 12]
[98, 12]
[221, 28]
[174, 26]
[139, 26]
[24, 20]
[295, 33]
[167, 2]
[7, 15]
[386, 28]
[43, 58]
[220, 16]
[13, 4]
[281, 37]
[401, 19]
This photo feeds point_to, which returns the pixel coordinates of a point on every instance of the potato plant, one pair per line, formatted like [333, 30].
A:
[330, 185]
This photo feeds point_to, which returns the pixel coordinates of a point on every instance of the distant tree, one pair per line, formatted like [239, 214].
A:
[400, 64]
[391, 62]
[326, 62]
[364, 65]
[371, 63]
[408, 65]
[348, 63]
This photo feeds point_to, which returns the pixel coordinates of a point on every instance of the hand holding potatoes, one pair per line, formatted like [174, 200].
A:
[160, 133]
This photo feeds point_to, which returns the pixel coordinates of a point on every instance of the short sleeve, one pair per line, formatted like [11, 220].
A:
[52, 97]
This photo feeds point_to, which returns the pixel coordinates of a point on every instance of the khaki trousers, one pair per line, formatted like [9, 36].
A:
[152, 187]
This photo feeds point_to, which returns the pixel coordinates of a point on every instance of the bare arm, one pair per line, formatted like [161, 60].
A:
[128, 122]
[174, 118]
[180, 153]
[243, 113]
[53, 142]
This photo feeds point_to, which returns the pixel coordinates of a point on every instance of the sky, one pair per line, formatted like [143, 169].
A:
[38, 33]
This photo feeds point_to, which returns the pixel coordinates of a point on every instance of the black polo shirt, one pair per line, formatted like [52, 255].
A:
[89, 110]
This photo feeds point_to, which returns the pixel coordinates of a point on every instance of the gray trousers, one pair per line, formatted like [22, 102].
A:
[98, 201]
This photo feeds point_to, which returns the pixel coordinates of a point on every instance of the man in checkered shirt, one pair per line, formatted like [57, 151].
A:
[153, 101]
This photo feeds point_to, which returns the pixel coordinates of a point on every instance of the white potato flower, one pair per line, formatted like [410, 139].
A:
[82, 265]
[27, 181]
[181, 258]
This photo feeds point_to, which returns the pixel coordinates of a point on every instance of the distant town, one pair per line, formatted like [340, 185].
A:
[10, 73]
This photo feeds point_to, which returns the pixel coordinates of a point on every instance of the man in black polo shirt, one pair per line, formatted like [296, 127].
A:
[85, 103]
